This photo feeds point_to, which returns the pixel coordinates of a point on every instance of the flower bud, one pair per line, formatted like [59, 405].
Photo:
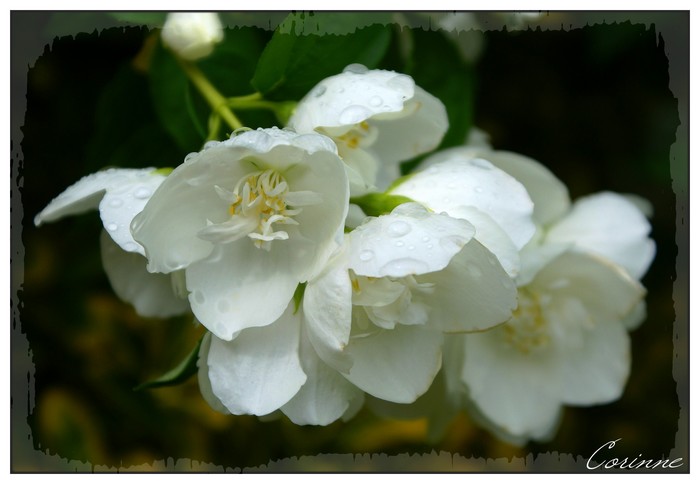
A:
[192, 36]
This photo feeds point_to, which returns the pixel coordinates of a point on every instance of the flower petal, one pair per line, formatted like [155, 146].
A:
[203, 377]
[609, 225]
[408, 241]
[86, 193]
[453, 179]
[259, 371]
[240, 286]
[327, 313]
[606, 290]
[596, 371]
[491, 236]
[151, 295]
[325, 396]
[509, 388]
[549, 194]
[472, 293]
[396, 365]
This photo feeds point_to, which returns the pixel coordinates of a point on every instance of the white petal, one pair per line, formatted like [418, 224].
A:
[408, 241]
[328, 310]
[595, 372]
[396, 365]
[325, 396]
[122, 203]
[510, 389]
[609, 225]
[550, 195]
[259, 371]
[241, 286]
[263, 141]
[636, 317]
[472, 293]
[151, 294]
[456, 180]
[203, 377]
[87, 192]
[409, 136]
[607, 291]
[491, 236]
[535, 256]
[351, 97]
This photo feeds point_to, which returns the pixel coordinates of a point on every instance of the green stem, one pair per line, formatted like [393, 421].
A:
[282, 109]
[218, 103]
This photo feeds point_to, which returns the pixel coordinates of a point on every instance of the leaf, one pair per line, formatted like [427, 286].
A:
[376, 204]
[184, 370]
[296, 58]
[152, 19]
[439, 69]
[126, 129]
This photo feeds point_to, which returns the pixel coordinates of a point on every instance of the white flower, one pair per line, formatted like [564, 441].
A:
[120, 194]
[192, 36]
[248, 219]
[472, 188]
[565, 345]
[278, 367]
[366, 324]
[416, 275]
[377, 118]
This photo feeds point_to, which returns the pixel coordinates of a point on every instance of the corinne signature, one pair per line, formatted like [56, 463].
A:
[634, 463]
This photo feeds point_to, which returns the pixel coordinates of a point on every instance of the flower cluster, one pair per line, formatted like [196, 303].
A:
[325, 281]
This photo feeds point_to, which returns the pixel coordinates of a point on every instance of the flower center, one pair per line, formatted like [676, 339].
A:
[527, 329]
[361, 135]
[259, 201]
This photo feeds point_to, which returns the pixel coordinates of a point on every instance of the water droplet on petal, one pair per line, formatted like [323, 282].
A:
[478, 189]
[130, 247]
[223, 306]
[452, 242]
[116, 202]
[198, 297]
[319, 91]
[481, 163]
[142, 193]
[354, 114]
[404, 267]
[366, 255]
[474, 271]
[411, 247]
[375, 101]
[112, 227]
[425, 238]
[399, 243]
[398, 228]
[401, 82]
[356, 69]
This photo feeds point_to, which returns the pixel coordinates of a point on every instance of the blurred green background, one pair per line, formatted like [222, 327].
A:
[591, 103]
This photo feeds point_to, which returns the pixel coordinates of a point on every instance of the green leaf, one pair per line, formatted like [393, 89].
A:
[376, 204]
[307, 48]
[126, 129]
[184, 370]
[151, 19]
[438, 68]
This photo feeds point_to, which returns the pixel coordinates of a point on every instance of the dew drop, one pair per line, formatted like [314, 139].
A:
[375, 101]
[319, 91]
[446, 200]
[223, 306]
[401, 82]
[116, 202]
[398, 228]
[399, 243]
[354, 114]
[142, 193]
[198, 297]
[425, 238]
[481, 163]
[452, 243]
[474, 271]
[112, 227]
[356, 69]
[404, 267]
[491, 259]
[130, 247]
[411, 247]
[430, 246]
[366, 255]
[478, 189]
